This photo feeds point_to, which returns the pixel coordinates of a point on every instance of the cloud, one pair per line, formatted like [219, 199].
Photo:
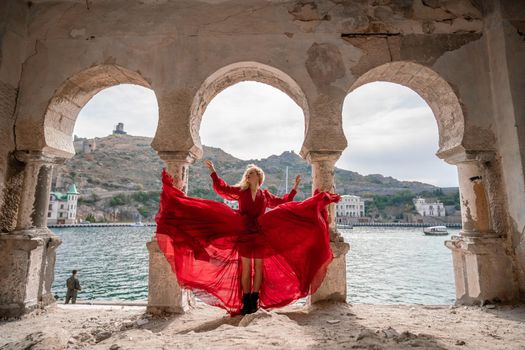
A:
[253, 120]
[133, 105]
[392, 131]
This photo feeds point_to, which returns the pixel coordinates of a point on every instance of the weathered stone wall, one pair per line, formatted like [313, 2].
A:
[505, 27]
[12, 52]
[465, 69]
[323, 46]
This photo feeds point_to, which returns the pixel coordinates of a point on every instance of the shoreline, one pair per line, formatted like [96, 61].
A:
[104, 224]
[150, 224]
[399, 224]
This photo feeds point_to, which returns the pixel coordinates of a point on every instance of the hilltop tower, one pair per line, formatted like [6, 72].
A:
[119, 129]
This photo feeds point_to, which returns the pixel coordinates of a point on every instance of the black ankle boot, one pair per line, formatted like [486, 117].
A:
[246, 303]
[254, 299]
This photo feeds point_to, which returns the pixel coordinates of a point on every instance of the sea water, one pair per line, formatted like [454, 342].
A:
[398, 265]
[385, 265]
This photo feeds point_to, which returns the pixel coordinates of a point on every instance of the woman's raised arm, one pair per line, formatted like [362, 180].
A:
[220, 186]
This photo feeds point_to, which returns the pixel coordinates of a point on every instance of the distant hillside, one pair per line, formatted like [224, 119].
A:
[124, 164]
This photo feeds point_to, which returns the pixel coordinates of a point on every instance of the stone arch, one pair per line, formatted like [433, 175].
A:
[235, 73]
[436, 92]
[63, 108]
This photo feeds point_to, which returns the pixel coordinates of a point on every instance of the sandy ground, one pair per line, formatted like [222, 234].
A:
[325, 326]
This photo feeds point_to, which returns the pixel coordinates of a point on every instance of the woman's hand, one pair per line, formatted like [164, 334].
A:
[210, 166]
[297, 182]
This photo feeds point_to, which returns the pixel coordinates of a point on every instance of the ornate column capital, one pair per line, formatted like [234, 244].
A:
[177, 164]
[39, 157]
[178, 156]
[322, 156]
[34, 190]
[459, 154]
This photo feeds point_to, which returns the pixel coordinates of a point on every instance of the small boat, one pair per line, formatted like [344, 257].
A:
[137, 224]
[435, 231]
[345, 226]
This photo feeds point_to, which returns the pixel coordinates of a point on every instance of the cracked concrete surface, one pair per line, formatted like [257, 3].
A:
[327, 326]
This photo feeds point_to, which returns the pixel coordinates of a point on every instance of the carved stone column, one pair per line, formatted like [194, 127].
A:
[177, 165]
[28, 252]
[334, 284]
[164, 293]
[483, 268]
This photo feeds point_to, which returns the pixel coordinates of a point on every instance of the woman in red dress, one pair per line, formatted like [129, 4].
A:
[236, 259]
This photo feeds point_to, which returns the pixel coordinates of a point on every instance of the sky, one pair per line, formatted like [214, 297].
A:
[390, 129]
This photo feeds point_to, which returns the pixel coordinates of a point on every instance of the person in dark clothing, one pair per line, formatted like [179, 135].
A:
[73, 286]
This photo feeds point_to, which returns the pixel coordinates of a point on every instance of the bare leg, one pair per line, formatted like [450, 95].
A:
[246, 276]
[257, 279]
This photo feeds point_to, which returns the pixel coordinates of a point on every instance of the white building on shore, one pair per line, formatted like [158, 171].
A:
[427, 208]
[63, 207]
[349, 207]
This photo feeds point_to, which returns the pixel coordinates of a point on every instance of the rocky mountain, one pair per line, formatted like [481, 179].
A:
[124, 165]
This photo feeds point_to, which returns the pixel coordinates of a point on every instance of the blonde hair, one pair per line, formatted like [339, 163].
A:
[244, 184]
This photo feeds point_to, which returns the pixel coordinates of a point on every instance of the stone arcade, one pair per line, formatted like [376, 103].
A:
[464, 58]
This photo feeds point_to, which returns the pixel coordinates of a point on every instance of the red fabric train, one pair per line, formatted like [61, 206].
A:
[204, 239]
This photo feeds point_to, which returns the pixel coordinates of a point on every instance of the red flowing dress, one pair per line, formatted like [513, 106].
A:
[203, 241]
